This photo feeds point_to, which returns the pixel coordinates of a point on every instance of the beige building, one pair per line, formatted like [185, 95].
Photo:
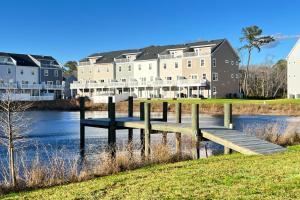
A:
[202, 69]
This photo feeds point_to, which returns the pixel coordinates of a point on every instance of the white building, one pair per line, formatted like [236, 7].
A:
[293, 72]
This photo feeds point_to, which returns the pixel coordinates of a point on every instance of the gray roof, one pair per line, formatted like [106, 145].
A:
[150, 52]
[21, 59]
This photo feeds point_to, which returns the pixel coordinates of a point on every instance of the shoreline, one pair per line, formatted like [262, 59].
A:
[211, 108]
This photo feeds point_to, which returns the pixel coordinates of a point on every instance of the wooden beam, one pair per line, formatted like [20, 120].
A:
[165, 111]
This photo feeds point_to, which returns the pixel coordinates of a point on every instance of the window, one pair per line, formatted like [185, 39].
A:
[49, 82]
[176, 64]
[202, 63]
[232, 75]
[189, 63]
[46, 72]
[214, 90]
[102, 81]
[120, 68]
[107, 70]
[214, 62]
[56, 73]
[57, 82]
[165, 66]
[123, 79]
[194, 76]
[237, 76]
[226, 61]
[129, 68]
[32, 72]
[150, 66]
[232, 62]
[215, 76]
[140, 67]
[237, 63]
[169, 78]
[204, 76]
[8, 70]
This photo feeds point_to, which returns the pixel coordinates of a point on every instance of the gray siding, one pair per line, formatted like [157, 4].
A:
[51, 75]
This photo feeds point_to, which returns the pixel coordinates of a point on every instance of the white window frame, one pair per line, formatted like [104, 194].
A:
[56, 73]
[150, 66]
[226, 61]
[120, 68]
[176, 65]
[57, 82]
[140, 67]
[204, 76]
[214, 90]
[165, 65]
[46, 72]
[237, 63]
[214, 62]
[232, 75]
[215, 76]
[8, 70]
[49, 82]
[129, 68]
[232, 62]
[194, 76]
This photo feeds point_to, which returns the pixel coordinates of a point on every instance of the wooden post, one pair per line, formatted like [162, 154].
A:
[195, 129]
[142, 134]
[147, 129]
[227, 122]
[130, 130]
[82, 128]
[165, 111]
[227, 115]
[112, 128]
[178, 135]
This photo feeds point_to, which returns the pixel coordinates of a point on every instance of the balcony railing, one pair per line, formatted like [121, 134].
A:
[169, 56]
[31, 86]
[157, 83]
[122, 60]
[8, 86]
[190, 54]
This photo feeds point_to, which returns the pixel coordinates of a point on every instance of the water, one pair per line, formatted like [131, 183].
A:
[59, 131]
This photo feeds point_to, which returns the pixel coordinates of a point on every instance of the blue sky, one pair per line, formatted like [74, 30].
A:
[72, 29]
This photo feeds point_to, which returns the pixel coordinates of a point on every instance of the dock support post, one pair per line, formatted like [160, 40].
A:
[195, 130]
[147, 129]
[130, 130]
[112, 128]
[82, 128]
[178, 135]
[165, 119]
[227, 122]
[142, 134]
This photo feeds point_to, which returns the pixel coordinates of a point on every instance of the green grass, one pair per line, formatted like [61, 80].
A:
[233, 101]
[221, 177]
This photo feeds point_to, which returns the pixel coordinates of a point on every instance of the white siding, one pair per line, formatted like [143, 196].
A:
[27, 74]
[145, 72]
[293, 70]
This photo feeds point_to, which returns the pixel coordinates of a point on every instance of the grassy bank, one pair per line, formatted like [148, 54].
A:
[224, 177]
[208, 106]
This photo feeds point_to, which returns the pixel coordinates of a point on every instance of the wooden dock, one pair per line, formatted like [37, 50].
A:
[224, 135]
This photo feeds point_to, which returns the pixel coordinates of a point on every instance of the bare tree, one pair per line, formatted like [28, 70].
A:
[13, 128]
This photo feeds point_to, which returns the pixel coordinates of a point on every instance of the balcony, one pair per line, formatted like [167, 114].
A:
[169, 56]
[122, 60]
[52, 87]
[157, 83]
[190, 54]
[30, 86]
[8, 86]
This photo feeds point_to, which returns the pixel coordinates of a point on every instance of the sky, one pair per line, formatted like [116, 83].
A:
[74, 29]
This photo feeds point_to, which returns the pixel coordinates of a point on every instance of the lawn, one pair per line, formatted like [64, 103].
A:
[221, 177]
[233, 101]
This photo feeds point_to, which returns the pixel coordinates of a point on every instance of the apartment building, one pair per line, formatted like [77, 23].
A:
[293, 72]
[200, 69]
[26, 76]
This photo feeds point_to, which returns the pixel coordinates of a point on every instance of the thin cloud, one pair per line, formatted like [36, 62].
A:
[278, 38]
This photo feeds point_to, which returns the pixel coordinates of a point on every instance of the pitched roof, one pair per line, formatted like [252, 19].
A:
[150, 52]
[21, 59]
[48, 58]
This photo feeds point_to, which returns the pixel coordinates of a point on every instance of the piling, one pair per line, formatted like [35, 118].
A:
[195, 130]
[147, 129]
[227, 122]
[178, 135]
[112, 128]
[82, 128]
[130, 130]
[142, 135]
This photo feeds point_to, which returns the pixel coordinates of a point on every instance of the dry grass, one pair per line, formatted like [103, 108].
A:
[284, 135]
[57, 170]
